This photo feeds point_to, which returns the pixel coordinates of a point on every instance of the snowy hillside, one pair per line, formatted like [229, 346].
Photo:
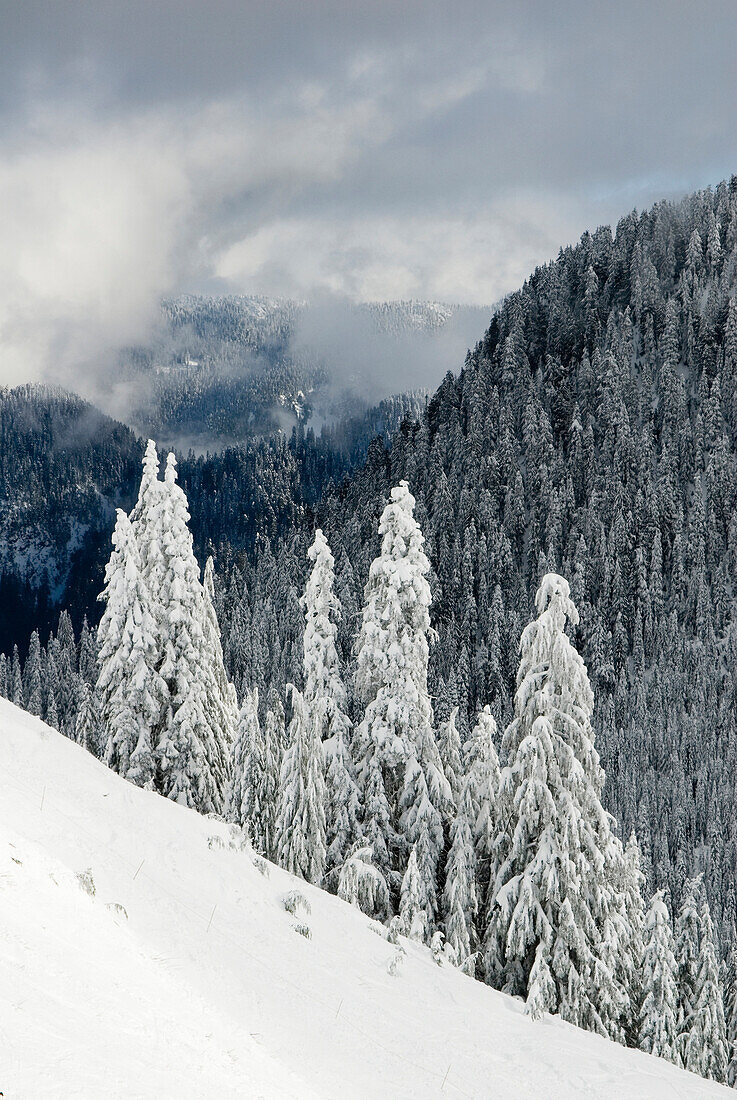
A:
[142, 954]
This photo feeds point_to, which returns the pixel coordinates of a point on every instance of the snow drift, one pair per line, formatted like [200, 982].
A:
[144, 953]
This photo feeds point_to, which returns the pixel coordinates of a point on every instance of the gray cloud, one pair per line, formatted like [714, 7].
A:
[364, 150]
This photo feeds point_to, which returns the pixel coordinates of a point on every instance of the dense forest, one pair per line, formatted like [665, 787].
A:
[65, 467]
[591, 433]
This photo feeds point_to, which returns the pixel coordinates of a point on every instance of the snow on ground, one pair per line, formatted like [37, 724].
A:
[201, 987]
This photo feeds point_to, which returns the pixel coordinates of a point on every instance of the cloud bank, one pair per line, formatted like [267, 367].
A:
[371, 152]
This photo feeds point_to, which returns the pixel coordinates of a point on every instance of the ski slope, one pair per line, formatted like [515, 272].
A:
[183, 975]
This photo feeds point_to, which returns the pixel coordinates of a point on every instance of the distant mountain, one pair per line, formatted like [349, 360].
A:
[223, 370]
[65, 467]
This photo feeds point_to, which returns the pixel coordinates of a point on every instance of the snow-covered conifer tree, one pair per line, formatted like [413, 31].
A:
[460, 899]
[16, 680]
[687, 950]
[658, 1034]
[343, 810]
[413, 902]
[87, 727]
[194, 747]
[394, 741]
[32, 689]
[324, 693]
[128, 684]
[244, 802]
[706, 1051]
[730, 1007]
[482, 780]
[300, 824]
[51, 716]
[449, 744]
[632, 953]
[555, 906]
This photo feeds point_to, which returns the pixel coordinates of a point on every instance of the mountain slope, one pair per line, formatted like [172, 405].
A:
[203, 987]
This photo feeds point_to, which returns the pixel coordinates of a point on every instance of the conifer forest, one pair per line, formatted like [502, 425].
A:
[368, 550]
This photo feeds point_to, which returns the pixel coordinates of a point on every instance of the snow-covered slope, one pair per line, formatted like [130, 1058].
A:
[200, 985]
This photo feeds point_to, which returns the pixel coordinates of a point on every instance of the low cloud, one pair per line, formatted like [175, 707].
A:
[327, 151]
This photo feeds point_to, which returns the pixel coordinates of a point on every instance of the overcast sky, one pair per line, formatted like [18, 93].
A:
[370, 150]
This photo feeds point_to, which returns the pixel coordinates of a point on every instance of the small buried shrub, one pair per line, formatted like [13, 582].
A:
[86, 881]
[261, 866]
[294, 901]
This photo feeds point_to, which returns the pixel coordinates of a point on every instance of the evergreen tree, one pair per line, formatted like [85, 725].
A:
[16, 680]
[127, 685]
[32, 690]
[460, 899]
[449, 743]
[193, 750]
[398, 764]
[324, 693]
[87, 726]
[300, 824]
[555, 907]
[343, 816]
[245, 803]
[706, 1051]
[687, 950]
[730, 1005]
[413, 902]
[633, 947]
[658, 1033]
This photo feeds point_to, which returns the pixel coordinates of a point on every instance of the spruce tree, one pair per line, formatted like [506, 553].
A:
[730, 1006]
[244, 803]
[127, 685]
[398, 763]
[482, 777]
[687, 950]
[87, 726]
[32, 689]
[658, 1032]
[633, 947]
[194, 746]
[449, 744]
[555, 907]
[16, 680]
[343, 814]
[460, 898]
[413, 902]
[324, 693]
[706, 1051]
[300, 824]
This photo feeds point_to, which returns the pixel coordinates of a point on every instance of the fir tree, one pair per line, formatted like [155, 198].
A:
[300, 825]
[555, 906]
[658, 1032]
[394, 743]
[194, 747]
[687, 950]
[87, 726]
[460, 899]
[244, 803]
[706, 1051]
[324, 693]
[128, 685]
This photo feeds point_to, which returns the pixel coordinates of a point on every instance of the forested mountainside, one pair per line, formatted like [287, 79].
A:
[65, 467]
[591, 432]
[224, 369]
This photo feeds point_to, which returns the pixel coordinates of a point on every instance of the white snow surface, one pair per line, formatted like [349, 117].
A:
[203, 988]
